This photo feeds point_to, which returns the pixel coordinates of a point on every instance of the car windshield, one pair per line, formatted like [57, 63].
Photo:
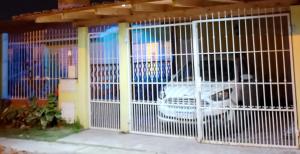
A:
[209, 71]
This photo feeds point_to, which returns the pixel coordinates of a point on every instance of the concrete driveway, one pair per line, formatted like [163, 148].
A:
[164, 145]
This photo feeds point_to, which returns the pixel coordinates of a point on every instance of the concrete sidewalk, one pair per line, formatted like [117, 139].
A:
[107, 142]
[38, 147]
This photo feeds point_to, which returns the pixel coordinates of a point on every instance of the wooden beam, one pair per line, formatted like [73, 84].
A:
[142, 1]
[193, 3]
[166, 2]
[51, 19]
[191, 12]
[148, 7]
[113, 11]
[86, 14]
[189, 3]
[127, 6]
[227, 1]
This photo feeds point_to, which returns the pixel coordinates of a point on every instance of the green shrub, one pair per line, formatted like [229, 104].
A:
[46, 116]
[50, 115]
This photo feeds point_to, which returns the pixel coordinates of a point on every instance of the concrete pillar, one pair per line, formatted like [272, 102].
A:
[295, 19]
[82, 103]
[4, 66]
[124, 77]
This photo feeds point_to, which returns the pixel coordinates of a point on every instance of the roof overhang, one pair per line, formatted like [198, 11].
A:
[23, 26]
[140, 10]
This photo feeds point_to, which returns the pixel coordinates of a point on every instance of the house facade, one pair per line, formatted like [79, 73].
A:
[223, 72]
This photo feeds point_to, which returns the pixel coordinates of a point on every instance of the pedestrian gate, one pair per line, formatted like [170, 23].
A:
[224, 78]
[104, 77]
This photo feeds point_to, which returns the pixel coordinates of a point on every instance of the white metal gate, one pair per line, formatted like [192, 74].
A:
[38, 59]
[159, 53]
[226, 78]
[104, 78]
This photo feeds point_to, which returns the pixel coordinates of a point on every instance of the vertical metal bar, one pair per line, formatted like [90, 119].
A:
[26, 48]
[256, 120]
[270, 78]
[168, 78]
[197, 79]
[215, 120]
[34, 59]
[186, 65]
[249, 84]
[229, 115]
[140, 80]
[16, 74]
[210, 130]
[157, 80]
[191, 127]
[30, 78]
[242, 82]
[222, 122]
[284, 79]
[16, 65]
[147, 81]
[34, 63]
[113, 78]
[138, 59]
[236, 114]
[39, 64]
[263, 79]
[18, 46]
[277, 79]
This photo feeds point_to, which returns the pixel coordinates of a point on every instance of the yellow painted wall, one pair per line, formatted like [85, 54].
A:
[81, 105]
[124, 77]
[80, 96]
[295, 19]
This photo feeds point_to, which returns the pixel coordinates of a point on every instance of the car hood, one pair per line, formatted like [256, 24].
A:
[187, 90]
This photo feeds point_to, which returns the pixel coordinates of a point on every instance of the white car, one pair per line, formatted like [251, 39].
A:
[219, 92]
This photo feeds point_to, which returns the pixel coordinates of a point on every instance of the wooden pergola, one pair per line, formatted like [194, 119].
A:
[140, 10]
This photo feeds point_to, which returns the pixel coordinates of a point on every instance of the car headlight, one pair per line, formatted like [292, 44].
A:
[222, 95]
[162, 94]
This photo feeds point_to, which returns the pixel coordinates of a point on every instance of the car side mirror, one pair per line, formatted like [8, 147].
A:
[246, 77]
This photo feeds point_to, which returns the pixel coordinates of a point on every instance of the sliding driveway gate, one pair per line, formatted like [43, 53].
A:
[225, 78]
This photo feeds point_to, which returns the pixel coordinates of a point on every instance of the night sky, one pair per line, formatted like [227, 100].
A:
[10, 8]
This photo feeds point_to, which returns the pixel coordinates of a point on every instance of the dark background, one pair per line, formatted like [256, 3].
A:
[10, 8]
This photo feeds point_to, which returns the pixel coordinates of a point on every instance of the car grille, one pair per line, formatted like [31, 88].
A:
[181, 101]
